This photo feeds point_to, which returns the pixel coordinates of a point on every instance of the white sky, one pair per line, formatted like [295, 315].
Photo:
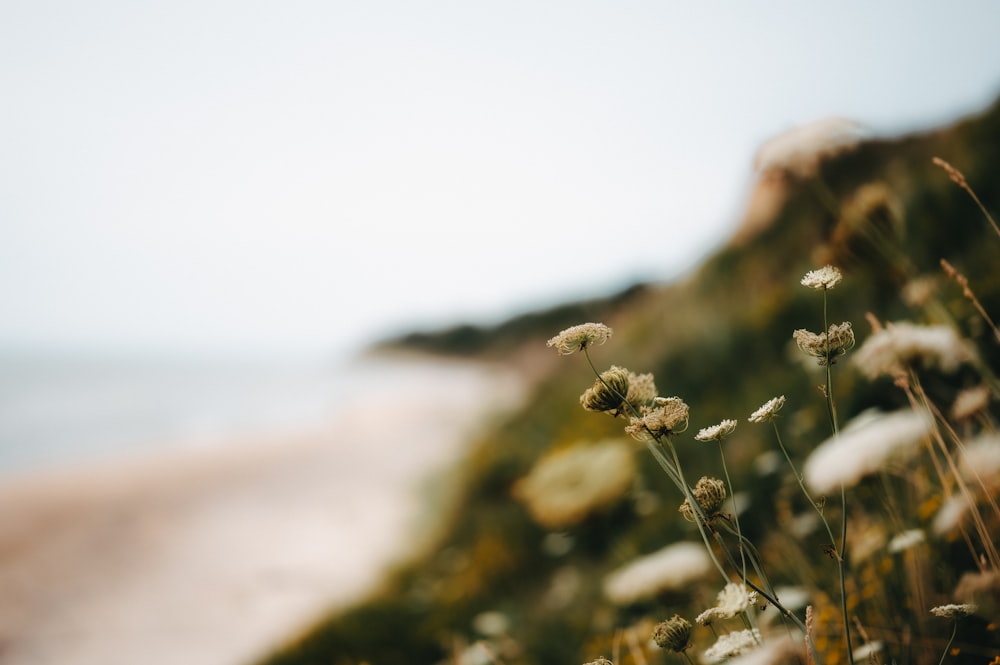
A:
[252, 177]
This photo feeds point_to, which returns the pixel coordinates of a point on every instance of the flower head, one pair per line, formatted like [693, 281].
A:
[970, 401]
[863, 447]
[903, 345]
[716, 432]
[826, 347]
[732, 600]
[954, 611]
[709, 493]
[579, 337]
[641, 389]
[825, 278]
[668, 415]
[905, 540]
[673, 634]
[608, 392]
[672, 567]
[768, 411]
[569, 484]
[600, 661]
[732, 644]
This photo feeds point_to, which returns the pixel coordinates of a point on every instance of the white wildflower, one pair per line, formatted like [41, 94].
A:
[768, 411]
[567, 485]
[904, 541]
[716, 432]
[792, 597]
[863, 447]
[903, 345]
[864, 652]
[825, 278]
[981, 460]
[732, 644]
[777, 650]
[970, 401]
[579, 337]
[731, 601]
[672, 567]
[950, 515]
[491, 623]
[954, 611]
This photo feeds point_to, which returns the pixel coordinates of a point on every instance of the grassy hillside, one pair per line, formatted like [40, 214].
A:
[507, 585]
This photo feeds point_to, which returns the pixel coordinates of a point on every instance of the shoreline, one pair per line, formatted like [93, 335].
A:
[216, 556]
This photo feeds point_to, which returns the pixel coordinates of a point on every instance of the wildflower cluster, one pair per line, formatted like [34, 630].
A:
[869, 444]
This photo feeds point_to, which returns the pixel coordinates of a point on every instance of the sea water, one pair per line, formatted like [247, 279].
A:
[58, 409]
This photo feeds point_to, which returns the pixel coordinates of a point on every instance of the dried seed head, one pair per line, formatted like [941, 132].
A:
[953, 173]
[579, 337]
[641, 389]
[608, 392]
[668, 415]
[600, 661]
[673, 634]
[826, 347]
[709, 493]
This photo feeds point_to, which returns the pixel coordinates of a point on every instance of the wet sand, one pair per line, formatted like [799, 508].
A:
[213, 557]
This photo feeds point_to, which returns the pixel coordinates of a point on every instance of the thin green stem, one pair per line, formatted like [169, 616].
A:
[700, 519]
[736, 513]
[831, 408]
[954, 631]
[839, 551]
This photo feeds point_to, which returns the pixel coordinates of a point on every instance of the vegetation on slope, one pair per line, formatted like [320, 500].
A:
[721, 339]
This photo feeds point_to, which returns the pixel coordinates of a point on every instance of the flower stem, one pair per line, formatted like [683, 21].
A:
[954, 630]
[736, 515]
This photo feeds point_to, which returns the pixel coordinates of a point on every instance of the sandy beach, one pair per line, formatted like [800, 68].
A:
[211, 557]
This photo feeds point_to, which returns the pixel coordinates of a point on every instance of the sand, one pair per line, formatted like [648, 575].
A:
[213, 557]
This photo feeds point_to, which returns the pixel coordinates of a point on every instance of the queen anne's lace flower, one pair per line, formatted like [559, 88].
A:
[826, 347]
[673, 634]
[716, 432]
[569, 484]
[768, 411]
[579, 337]
[825, 278]
[709, 493]
[672, 567]
[905, 540]
[668, 415]
[608, 392]
[905, 345]
[732, 600]
[954, 611]
[641, 389]
[732, 644]
[863, 447]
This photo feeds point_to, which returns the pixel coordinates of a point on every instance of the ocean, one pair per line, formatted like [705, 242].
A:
[61, 410]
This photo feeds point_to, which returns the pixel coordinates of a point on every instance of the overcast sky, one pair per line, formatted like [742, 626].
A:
[298, 177]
